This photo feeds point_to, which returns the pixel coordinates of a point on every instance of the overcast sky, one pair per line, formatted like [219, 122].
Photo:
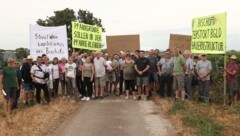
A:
[154, 20]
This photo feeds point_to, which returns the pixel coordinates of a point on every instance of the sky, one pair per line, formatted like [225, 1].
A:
[154, 20]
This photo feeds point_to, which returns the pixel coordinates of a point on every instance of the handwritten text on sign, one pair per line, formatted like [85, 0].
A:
[51, 41]
[86, 36]
[209, 34]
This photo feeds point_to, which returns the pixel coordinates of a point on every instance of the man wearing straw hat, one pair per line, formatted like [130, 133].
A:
[232, 70]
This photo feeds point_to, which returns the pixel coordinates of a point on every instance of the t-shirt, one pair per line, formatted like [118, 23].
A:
[61, 71]
[49, 69]
[178, 62]
[231, 68]
[25, 72]
[189, 66]
[203, 67]
[39, 73]
[99, 64]
[166, 65]
[153, 64]
[141, 64]
[9, 77]
[128, 71]
[55, 71]
[87, 70]
[70, 70]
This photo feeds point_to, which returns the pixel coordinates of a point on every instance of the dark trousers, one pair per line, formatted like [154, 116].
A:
[165, 80]
[79, 84]
[87, 87]
[38, 92]
[121, 82]
[15, 101]
[55, 87]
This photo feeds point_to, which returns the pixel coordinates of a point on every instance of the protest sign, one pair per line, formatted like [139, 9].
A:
[51, 41]
[182, 42]
[209, 34]
[86, 36]
[115, 44]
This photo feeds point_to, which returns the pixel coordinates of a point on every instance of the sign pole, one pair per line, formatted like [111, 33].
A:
[225, 81]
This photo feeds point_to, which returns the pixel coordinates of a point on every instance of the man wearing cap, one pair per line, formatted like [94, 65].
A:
[232, 70]
[8, 85]
[28, 84]
[203, 69]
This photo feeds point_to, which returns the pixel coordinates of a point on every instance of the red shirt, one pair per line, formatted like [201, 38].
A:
[231, 68]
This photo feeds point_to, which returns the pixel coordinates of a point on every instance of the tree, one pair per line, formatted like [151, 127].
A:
[21, 53]
[66, 16]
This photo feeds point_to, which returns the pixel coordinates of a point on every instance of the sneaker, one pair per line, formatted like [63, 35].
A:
[84, 99]
[100, 97]
[63, 97]
[148, 98]
[79, 96]
[139, 98]
[96, 97]
[88, 99]
[134, 98]
[68, 97]
[126, 98]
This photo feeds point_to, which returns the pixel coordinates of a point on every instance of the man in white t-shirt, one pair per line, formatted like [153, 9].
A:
[71, 77]
[100, 71]
[37, 73]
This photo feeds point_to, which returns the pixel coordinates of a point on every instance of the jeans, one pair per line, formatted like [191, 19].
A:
[121, 82]
[165, 80]
[55, 87]
[188, 85]
[204, 87]
[63, 86]
[79, 84]
[38, 92]
[71, 86]
[87, 84]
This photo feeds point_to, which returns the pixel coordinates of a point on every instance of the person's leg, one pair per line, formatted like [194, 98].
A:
[139, 87]
[31, 92]
[55, 87]
[121, 83]
[169, 86]
[38, 93]
[162, 87]
[175, 85]
[6, 102]
[181, 86]
[78, 83]
[69, 87]
[63, 87]
[200, 85]
[46, 94]
[15, 101]
[207, 88]
[102, 84]
[96, 84]
[89, 91]
[127, 87]
[74, 88]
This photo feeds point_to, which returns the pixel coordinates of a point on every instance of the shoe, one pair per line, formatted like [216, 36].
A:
[134, 98]
[68, 97]
[88, 99]
[84, 99]
[100, 97]
[126, 98]
[26, 103]
[139, 98]
[96, 97]
[79, 96]
[63, 97]
[148, 98]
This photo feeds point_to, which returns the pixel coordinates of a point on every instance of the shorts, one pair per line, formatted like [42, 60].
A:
[100, 81]
[10, 93]
[50, 84]
[29, 87]
[142, 80]
[232, 89]
[130, 85]
[178, 83]
[153, 77]
[111, 77]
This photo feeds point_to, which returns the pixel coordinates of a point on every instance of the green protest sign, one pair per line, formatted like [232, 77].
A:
[209, 34]
[86, 36]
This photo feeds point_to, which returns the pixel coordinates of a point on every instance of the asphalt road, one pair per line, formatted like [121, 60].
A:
[114, 116]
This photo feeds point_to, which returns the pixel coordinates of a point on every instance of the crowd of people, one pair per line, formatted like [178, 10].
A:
[174, 74]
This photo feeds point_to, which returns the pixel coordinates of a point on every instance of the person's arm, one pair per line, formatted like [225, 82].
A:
[1, 82]
[93, 70]
[146, 69]
[159, 68]
[83, 72]
[209, 70]
[233, 73]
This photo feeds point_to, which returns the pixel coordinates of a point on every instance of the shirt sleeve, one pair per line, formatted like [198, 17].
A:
[33, 69]
[210, 65]
[183, 61]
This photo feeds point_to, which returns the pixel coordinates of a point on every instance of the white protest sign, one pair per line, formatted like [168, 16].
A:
[51, 41]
